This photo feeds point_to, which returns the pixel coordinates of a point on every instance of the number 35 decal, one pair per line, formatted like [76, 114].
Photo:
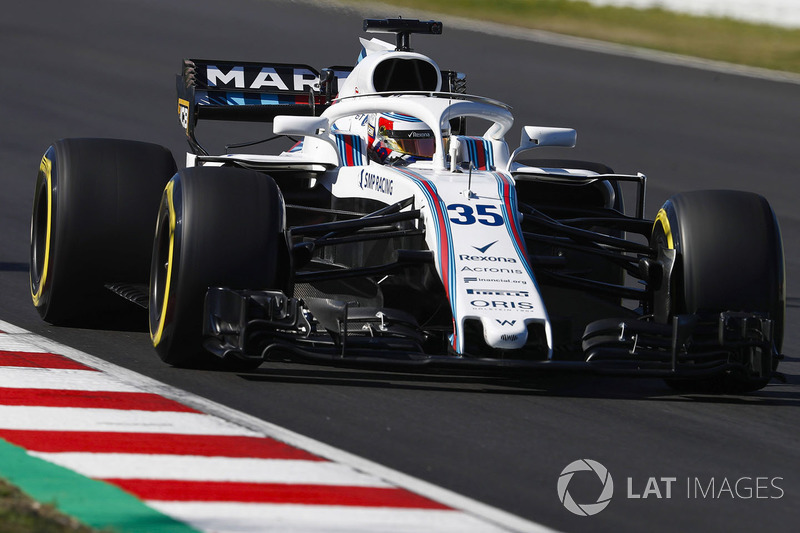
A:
[483, 214]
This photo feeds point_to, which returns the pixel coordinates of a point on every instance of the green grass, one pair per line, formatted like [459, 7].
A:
[21, 514]
[718, 39]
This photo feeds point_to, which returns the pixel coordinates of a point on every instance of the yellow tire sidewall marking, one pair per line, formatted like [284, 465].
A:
[45, 169]
[157, 335]
[663, 219]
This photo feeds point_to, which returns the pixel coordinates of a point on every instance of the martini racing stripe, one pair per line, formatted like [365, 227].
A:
[480, 152]
[400, 117]
[508, 194]
[351, 149]
[444, 240]
[226, 98]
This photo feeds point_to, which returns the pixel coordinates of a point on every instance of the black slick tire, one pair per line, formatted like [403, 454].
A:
[730, 258]
[217, 227]
[94, 207]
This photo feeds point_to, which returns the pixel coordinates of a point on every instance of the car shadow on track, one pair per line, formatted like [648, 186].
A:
[551, 384]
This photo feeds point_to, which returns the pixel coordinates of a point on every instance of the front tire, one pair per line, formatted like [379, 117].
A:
[729, 258]
[93, 210]
[217, 227]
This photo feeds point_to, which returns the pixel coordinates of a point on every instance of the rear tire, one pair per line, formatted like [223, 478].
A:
[730, 258]
[217, 227]
[93, 210]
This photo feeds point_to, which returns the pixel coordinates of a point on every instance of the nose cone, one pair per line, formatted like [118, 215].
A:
[505, 334]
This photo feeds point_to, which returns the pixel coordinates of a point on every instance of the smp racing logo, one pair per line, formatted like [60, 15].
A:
[377, 183]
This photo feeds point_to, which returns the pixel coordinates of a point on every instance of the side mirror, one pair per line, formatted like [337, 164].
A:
[538, 136]
[292, 125]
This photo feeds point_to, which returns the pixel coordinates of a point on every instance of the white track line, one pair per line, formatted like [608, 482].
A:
[196, 468]
[61, 379]
[267, 518]
[116, 420]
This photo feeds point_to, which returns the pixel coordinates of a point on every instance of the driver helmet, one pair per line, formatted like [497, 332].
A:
[395, 136]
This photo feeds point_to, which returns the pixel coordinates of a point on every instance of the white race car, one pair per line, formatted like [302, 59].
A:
[387, 233]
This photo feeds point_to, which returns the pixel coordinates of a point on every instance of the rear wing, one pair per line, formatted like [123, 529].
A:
[246, 91]
[258, 92]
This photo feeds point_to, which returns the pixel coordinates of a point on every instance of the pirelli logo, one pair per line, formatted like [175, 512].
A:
[493, 292]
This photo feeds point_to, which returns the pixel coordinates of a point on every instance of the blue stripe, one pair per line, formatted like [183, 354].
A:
[225, 98]
[473, 151]
[451, 274]
[341, 148]
[472, 148]
[509, 219]
[487, 144]
[356, 148]
[403, 118]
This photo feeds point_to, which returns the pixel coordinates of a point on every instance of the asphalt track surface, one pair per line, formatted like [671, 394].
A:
[106, 69]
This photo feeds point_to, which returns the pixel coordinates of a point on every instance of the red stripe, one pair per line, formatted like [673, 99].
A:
[348, 152]
[510, 209]
[40, 360]
[140, 401]
[480, 151]
[154, 443]
[222, 491]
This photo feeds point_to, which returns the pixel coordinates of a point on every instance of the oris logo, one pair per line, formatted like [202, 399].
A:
[500, 304]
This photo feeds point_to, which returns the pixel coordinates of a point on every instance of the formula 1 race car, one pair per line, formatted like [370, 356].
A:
[388, 234]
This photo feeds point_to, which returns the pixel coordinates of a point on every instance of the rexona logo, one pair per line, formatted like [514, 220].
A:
[592, 468]
[488, 258]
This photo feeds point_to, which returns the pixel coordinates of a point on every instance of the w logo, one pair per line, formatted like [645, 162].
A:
[506, 322]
